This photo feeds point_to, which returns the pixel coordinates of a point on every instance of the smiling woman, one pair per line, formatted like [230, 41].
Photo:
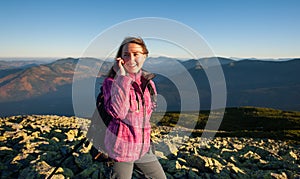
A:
[133, 58]
[132, 54]
[130, 103]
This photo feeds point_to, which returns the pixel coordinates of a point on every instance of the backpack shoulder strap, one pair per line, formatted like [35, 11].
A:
[152, 93]
[150, 88]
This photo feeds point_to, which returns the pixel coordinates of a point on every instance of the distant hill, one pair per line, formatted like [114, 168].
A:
[9, 67]
[44, 89]
[20, 84]
[259, 83]
[248, 83]
[47, 88]
[21, 64]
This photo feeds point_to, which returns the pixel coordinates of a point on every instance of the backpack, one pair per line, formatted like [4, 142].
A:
[106, 118]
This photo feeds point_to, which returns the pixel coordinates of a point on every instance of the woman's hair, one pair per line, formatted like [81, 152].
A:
[127, 40]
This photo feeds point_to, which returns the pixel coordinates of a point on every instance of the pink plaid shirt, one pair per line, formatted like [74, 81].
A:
[128, 134]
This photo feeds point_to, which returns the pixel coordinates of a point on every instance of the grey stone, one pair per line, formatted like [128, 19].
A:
[192, 175]
[84, 160]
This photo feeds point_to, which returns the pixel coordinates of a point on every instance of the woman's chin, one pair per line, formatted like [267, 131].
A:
[133, 70]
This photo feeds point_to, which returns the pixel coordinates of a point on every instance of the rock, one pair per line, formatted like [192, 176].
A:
[84, 161]
[59, 135]
[16, 126]
[205, 146]
[228, 150]
[35, 134]
[272, 166]
[172, 147]
[180, 174]
[293, 155]
[32, 146]
[5, 150]
[160, 154]
[212, 164]
[70, 163]
[87, 172]
[192, 175]
[279, 176]
[51, 156]
[44, 129]
[195, 161]
[234, 169]
[55, 139]
[254, 157]
[68, 173]
[2, 138]
[96, 175]
[51, 146]
[238, 146]
[39, 170]
[173, 166]
[169, 176]
[232, 159]
[181, 161]
[71, 134]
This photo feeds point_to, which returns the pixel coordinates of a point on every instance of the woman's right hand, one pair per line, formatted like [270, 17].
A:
[119, 67]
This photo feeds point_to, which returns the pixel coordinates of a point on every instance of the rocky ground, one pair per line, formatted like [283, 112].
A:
[32, 146]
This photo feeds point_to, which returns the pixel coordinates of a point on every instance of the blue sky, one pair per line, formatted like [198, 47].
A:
[233, 28]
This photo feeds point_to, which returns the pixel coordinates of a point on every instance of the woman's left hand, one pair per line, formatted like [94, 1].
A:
[119, 67]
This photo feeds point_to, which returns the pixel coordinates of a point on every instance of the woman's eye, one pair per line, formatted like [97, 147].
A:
[137, 54]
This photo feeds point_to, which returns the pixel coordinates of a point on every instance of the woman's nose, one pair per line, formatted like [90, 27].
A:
[131, 57]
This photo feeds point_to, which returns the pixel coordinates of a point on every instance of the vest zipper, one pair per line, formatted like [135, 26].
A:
[144, 118]
[138, 101]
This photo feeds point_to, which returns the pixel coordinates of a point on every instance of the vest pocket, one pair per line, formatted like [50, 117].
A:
[134, 105]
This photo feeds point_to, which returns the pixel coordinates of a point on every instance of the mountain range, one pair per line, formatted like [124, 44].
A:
[34, 87]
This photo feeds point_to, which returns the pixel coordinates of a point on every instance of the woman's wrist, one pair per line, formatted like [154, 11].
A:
[122, 73]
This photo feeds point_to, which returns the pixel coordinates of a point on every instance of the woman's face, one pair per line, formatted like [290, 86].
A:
[133, 56]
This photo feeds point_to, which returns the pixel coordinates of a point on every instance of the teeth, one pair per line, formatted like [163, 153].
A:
[132, 65]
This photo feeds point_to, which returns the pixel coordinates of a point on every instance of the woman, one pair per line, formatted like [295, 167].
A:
[127, 98]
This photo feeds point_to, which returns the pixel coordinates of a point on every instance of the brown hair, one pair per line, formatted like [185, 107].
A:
[136, 40]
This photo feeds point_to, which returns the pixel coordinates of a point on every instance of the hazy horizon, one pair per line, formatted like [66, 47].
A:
[58, 58]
